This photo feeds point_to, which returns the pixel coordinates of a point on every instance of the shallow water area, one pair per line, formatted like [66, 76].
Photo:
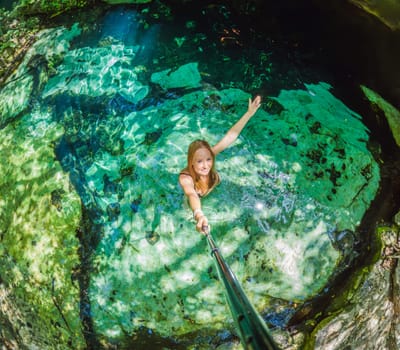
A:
[119, 123]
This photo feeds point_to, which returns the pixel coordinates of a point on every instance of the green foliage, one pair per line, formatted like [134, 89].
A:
[14, 34]
[53, 8]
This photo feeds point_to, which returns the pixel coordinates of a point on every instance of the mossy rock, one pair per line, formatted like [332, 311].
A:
[391, 113]
[38, 247]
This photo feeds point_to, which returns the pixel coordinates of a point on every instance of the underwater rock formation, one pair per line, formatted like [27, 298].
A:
[370, 317]
[39, 215]
[278, 239]
[103, 71]
[19, 91]
[186, 76]
[391, 113]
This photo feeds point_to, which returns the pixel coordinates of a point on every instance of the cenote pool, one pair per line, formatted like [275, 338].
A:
[97, 242]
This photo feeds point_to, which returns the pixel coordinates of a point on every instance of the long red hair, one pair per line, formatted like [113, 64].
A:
[213, 178]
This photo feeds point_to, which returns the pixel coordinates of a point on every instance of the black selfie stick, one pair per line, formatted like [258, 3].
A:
[254, 333]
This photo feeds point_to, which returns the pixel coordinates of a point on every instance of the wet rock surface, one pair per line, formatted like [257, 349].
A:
[18, 94]
[390, 112]
[370, 317]
[39, 215]
[387, 11]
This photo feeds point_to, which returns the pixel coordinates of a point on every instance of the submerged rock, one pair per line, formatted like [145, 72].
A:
[186, 76]
[388, 11]
[17, 93]
[101, 71]
[276, 231]
[39, 215]
[391, 113]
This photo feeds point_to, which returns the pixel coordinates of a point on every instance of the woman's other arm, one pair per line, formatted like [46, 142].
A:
[187, 185]
[233, 133]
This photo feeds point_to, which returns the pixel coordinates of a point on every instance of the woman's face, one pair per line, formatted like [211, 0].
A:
[202, 161]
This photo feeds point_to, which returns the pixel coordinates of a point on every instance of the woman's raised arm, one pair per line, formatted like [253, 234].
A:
[233, 133]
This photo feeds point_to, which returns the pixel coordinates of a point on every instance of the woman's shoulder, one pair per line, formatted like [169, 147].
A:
[184, 176]
[184, 172]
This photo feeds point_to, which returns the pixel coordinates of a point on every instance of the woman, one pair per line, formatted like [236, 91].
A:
[199, 178]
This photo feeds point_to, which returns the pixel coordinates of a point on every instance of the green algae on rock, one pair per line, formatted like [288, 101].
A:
[17, 36]
[186, 76]
[388, 11]
[40, 299]
[102, 71]
[370, 315]
[22, 85]
[391, 113]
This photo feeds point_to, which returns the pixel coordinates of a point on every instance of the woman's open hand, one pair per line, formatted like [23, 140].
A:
[254, 105]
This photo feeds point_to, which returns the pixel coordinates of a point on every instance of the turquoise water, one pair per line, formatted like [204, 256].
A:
[117, 117]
